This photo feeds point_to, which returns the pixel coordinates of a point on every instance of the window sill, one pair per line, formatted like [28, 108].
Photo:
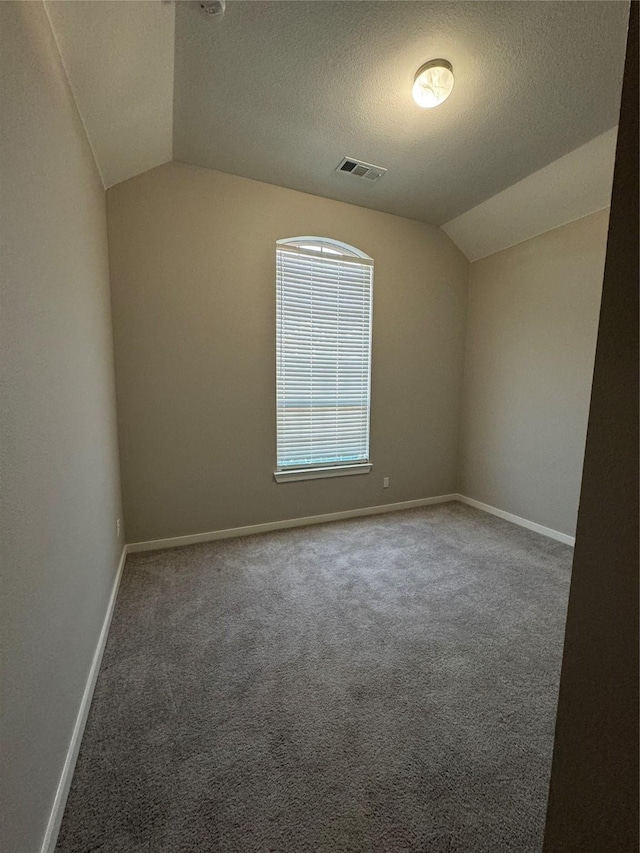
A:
[294, 474]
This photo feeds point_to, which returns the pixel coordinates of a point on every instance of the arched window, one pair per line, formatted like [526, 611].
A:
[323, 369]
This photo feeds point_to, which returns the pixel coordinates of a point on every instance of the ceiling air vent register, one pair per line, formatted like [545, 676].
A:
[359, 169]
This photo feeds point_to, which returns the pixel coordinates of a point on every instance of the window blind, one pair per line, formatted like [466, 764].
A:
[323, 316]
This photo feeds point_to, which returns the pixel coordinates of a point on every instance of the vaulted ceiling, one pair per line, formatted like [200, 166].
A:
[282, 91]
[119, 60]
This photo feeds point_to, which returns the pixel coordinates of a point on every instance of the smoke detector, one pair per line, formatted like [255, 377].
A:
[213, 8]
[360, 169]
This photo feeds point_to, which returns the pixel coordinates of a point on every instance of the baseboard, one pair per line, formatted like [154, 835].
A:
[62, 792]
[516, 519]
[250, 530]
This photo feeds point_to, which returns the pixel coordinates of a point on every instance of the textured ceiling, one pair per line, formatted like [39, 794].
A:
[118, 57]
[567, 189]
[281, 91]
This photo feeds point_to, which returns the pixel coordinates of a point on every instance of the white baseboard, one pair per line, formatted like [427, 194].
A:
[516, 519]
[62, 792]
[177, 541]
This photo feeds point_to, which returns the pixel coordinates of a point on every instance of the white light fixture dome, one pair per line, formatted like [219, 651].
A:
[433, 83]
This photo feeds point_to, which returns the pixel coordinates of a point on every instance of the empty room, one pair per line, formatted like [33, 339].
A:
[319, 426]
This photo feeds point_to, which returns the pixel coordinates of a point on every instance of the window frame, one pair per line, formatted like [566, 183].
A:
[338, 249]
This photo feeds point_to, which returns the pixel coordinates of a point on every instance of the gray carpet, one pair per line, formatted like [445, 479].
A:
[379, 684]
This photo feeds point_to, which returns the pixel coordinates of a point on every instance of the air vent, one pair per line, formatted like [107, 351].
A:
[361, 170]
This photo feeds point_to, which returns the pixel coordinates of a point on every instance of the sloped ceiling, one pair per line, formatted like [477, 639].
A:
[573, 186]
[281, 90]
[118, 55]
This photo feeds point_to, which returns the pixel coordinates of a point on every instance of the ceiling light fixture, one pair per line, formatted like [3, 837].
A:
[433, 83]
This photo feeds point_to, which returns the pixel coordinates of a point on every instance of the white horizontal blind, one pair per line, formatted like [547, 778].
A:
[323, 316]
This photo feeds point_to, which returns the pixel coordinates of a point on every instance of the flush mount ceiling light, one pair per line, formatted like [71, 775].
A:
[433, 83]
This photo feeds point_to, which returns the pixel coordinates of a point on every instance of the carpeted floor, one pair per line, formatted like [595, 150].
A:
[381, 684]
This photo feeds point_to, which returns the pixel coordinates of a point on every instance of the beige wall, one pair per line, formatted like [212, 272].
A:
[532, 325]
[192, 256]
[60, 489]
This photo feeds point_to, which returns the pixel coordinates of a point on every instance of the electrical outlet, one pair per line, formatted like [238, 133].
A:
[385, 483]
[118, 527]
